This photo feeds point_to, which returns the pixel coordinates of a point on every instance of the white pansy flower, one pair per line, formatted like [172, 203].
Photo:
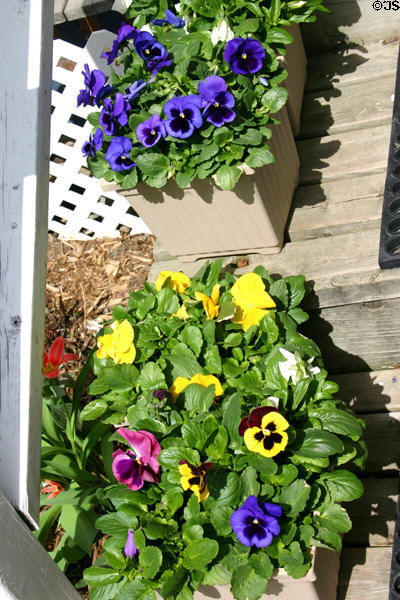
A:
[273, 400]
[222, 33]
[294, 368]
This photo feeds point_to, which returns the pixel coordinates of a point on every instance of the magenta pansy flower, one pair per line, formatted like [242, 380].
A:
[134, 467]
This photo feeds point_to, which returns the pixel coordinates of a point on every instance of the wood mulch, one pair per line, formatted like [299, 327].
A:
[86, 279]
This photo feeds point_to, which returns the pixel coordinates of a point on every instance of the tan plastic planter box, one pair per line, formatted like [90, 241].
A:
[320, 583]
[204, 221]
[296, 63]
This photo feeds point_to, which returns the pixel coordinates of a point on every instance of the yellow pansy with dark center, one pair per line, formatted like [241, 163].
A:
[210, 303]
[195, 478]
[177, 281]
[269, 437]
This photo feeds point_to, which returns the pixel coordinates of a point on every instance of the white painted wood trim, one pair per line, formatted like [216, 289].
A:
[25, 72]
[26, 570]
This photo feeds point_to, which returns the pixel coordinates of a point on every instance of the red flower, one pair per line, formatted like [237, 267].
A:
[53, 488]
[55, 358]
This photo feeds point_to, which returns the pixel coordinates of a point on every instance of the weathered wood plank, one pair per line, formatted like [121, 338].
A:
[351, 64]
[59, 16]
[327, 219]
[382, 435]
[349, 21]
[339, 109]
[364, 573]
[79, 9]
[357, 337]
[348, 154]
[374, 514]
[343, 269]
[26, 569]
[370, 392]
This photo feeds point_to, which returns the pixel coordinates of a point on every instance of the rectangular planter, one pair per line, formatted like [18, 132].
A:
[320, 583]
[296, 64]
[204, 221]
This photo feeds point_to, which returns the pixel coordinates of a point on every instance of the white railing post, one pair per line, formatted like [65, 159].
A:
[25, 68]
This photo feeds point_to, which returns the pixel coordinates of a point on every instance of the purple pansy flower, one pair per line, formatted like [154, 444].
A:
[94, 82]
[160, 394]
[118, 152]
[217, 100]
[151, 131]
[125, 32]
[255, 524]
[94, 143]
[133, 90]
[147, 46]
[113, 113]
[184, 115]
[156, 64]
[133, 468]
[130, 549]
[244, 55]
[170, 19]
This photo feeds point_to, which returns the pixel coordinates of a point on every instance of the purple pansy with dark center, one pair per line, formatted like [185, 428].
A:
[147, 47]
[94, 82]
[183, 115]
[94, 143]
[113, 113]
[156, 64]
[244, 55]
[133, 90]
[134, 467]
[118, 152]
[255, 524]
[218, 102]
[125, 32]
[130, 548]
[151, 131]
[170, 19]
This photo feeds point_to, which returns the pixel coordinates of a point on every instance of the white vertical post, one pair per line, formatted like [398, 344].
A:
[25, 74]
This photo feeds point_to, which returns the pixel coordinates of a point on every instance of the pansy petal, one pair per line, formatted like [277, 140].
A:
[272, 509]
[178, 386]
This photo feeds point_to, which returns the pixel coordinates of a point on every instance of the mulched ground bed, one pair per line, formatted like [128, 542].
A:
[85, 280]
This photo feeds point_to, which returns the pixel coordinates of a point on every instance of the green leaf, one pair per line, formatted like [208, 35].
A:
[277, 35]
[217, 575]
[167, 301]
[182, 366]
[225, 488]
[193, 434]
[329, 538]
[258, 157]
[47, 520]
[117, 523]
[175, 582]
[212, 360]
[316, 443]
[119, 377]
[263, 464]
[136, 590]
[172, 500]
[247, 584]
[249, 483]
[198, 399]
[170, 457]
[98, 166]
[93, 409]
[150, 559]
[294, 497]
[252, 137]
[130, 180]
[300, 392]
[192, 337]
[335, 518]
[222, 135]
[220, 518]
[295, 562]
[227, 177]
[340, 421]
[217, 449]
[275, 98]
[343, 485]
[231, 411]
[79, 524]
[199, 553]
[247, 26]
[100, 576]
[184, 178]
[152, 163]
[151, 377]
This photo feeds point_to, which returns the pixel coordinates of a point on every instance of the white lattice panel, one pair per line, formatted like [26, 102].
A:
[78, 208]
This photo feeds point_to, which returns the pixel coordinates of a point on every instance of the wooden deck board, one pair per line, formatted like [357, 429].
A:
[371, 391]
[364, 573]
[336, 110]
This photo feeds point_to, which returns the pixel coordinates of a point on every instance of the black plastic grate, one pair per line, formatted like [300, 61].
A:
[394, 589]
[389, 246]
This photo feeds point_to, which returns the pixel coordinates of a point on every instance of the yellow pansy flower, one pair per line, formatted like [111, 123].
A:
[250, 299]
[270, 437]
[210, 303]
[117, 345]
[181, 313]
[195, 478]
[178, 282]
[181, 383]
